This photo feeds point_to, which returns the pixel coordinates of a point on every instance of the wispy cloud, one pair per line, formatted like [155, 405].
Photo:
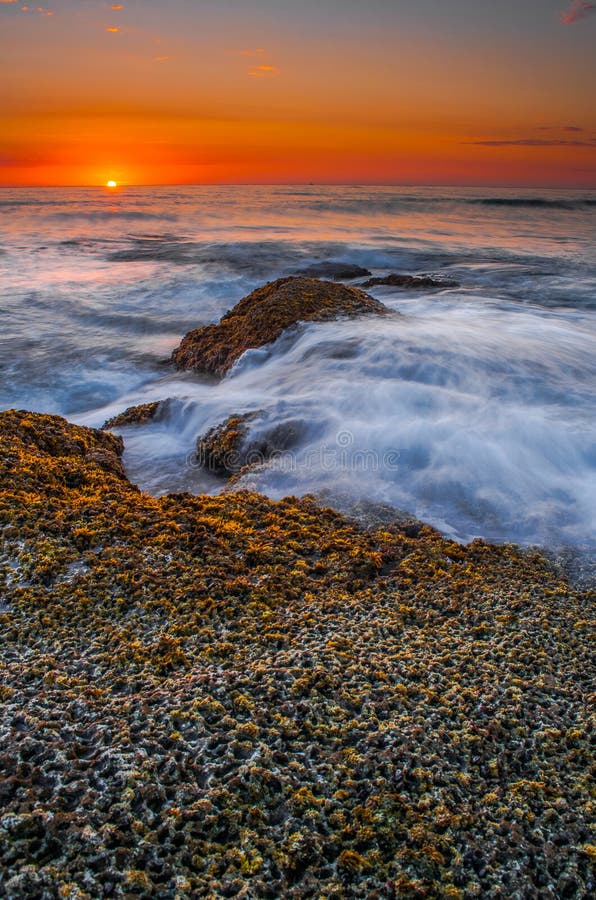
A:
[259, 51]
[112, 29]
[534, 142]
[160, 58]
[264, 70]
[578, 9]
[572, 128]
[40, 9]
[33, 9]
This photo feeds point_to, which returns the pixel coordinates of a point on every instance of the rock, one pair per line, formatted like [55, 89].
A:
[370, 515]
[75, 449]
[336, 271]
[134, 415]
[229, 447]
[260, 319]
[219, 449]
[409, 281]
[204, 696]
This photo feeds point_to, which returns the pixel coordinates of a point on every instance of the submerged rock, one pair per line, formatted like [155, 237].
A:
[370, 515]
[228, 448]
[261, 317]
[219, 450]
[336, 271]
[134, 415]
[409, 281]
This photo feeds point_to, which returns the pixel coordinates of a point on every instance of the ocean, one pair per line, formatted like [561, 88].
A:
[474, 410]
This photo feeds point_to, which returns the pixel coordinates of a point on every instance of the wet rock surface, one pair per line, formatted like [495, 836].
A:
[229, 696]
[409, 281]
[134, 415]
[220, 450]
[227, 448]
[261, 317]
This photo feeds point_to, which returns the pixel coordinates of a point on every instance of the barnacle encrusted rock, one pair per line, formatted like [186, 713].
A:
[410, 281]
[262, 316]
[229, 447]
[134, 415]
[227, 696]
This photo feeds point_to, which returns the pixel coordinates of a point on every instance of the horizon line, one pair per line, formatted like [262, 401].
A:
[202, 184]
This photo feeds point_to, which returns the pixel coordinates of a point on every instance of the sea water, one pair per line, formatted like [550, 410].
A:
[474, 409]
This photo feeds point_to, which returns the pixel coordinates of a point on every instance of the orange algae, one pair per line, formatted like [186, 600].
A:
[261, 317]
[210, 695]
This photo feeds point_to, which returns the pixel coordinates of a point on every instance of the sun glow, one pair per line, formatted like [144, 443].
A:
[111, 184]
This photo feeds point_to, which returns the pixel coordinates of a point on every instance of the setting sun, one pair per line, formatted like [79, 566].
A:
[111, 184]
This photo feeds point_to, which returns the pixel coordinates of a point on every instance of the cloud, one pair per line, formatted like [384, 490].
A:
[559, 128]
[117, 6]
[40, 9]
[264, 70]
[258, 52]
[578, 9]
[160, 58]
[533, 142]
[112, 29]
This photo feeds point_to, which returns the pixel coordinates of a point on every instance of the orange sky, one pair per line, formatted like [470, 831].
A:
[418, 91]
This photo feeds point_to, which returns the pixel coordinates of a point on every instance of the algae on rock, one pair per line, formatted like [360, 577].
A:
[261, 317]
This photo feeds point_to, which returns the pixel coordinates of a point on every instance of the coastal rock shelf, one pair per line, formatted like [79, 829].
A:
[227, 696]
[260, 319]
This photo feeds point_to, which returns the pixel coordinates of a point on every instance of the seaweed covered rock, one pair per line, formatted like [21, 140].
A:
[220, 449]
[410, 281]
[229, 447]
[260, 319]
[230, 696]
[134, 415]
[74, 451]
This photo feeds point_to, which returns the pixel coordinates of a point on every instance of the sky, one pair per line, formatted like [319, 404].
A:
[466, 92]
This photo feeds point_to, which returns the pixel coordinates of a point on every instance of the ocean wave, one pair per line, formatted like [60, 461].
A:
[476, 420]
[111, 215]
[374, 203]
[258, 257]
[532, 202]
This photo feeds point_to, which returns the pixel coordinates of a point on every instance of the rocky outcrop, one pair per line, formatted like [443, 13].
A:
[264, 315]
[78, 449]
[230, 447]
[336, 271]
[134, 415]
[228, 696]
[410, 281]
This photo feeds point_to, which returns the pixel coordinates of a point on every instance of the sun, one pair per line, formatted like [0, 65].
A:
[112, 184]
